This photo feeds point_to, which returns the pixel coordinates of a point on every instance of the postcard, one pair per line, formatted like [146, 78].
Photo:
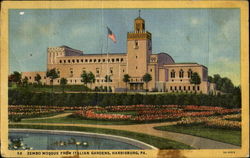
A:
[137, 79]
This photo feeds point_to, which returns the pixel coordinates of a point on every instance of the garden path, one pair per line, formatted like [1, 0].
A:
[50, 117]
[194, 141]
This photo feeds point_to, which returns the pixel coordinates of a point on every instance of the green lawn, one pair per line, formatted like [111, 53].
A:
[23, 117]
[78, 120]
[75, 120]
[158, 142]
[222, 135]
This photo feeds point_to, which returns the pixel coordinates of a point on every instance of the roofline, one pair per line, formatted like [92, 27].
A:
[106, 54]
[167, 55]
[194, 64]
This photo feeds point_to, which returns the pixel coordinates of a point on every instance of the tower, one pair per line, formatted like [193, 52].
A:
[138, 49]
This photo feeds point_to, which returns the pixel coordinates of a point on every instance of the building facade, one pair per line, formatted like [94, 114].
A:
[167, 76]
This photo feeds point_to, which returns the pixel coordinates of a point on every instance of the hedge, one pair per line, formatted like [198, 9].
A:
[17, 97]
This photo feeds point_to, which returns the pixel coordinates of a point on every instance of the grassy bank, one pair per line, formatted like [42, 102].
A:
[158, 142]
[79, 120]
[222, 135]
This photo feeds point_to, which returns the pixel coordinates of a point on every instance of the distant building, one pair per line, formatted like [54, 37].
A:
[167, 76]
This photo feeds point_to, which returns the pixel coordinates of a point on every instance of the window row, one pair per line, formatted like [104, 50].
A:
[80, 81]
[136, 80]
[91, 60]
[98, 71]
[30, 77]
[181, 73]
[184, 88]
[51, 53]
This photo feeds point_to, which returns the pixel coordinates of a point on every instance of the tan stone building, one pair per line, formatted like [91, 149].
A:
[167, 76]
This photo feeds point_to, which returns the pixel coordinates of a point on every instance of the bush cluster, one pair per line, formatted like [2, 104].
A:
[18, 97]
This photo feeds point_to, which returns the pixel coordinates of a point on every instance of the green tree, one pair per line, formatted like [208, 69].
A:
[126, 78]
[52, 74]
[210, 79]
[15, 77]
[25, 81]
[195, 79]
[88, 78]
[226, 85]
[107, 78]
[146, 78]
[63, 82]
[222, 84]
[85, 78]
[38, 78]
[91, 78]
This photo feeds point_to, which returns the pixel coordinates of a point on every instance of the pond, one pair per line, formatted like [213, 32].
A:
[29, 139]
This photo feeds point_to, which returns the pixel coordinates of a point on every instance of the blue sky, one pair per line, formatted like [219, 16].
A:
[210, 37]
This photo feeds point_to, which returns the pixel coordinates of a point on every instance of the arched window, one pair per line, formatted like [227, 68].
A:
[172, 75]
[136, 44]
[189, 73]
[181, 73]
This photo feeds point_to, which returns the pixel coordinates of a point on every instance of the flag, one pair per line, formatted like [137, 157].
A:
[111, 35]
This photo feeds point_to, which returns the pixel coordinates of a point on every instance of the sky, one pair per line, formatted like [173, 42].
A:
[210, 37]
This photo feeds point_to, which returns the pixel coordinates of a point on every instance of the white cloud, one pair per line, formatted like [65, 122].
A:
[21, 13]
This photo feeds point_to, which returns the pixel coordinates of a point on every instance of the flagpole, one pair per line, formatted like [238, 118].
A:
[107, 62]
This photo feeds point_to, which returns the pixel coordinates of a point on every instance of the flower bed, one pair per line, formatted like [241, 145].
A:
[212, 121]
[202, 108]
[140, 113]
[17, 112]
[90, 114]
[153, 112]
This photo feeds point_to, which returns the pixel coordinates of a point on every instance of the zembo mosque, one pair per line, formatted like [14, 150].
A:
[167, 75]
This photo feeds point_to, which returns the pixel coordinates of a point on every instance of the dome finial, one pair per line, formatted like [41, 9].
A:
[139, 12]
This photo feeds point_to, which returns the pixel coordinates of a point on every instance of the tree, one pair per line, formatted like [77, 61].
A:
[38, 78]
[25, 81]
[222, 84]
[195, 79]
[126, 78]
[107, 78]
[210, 79]
[52, 74]
[88, 78]
[91, 77]
[63, 82]
[15, 77]
[226, 85]
[85, 78]
[146, 78]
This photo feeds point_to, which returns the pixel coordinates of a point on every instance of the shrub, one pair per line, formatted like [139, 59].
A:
[25, 97]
